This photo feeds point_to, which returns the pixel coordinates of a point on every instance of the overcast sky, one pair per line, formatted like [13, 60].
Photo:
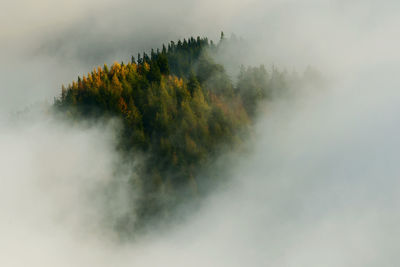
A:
[47, 43]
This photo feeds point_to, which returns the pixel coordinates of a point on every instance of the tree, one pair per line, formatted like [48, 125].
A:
[177, 107]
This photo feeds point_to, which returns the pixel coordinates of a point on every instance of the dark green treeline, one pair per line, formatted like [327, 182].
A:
[178, 108]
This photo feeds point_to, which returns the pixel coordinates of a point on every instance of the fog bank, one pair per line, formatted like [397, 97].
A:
[318, 187]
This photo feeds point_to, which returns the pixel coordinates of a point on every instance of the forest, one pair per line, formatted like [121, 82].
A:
[177, 106]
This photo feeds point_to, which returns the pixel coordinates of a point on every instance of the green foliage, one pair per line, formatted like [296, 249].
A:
[177, 106]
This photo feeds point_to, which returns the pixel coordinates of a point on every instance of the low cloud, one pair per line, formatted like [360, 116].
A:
[318, 186]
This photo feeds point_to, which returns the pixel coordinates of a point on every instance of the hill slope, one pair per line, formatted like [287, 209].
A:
[178, 107]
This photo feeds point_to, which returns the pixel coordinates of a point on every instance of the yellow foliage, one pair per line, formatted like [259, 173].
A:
[146, 66]
[74, 85]
[178, 82]
[124, 71]
[132, 67]
[98, 82]
[90, 79]
[116, 84]
[115, 68]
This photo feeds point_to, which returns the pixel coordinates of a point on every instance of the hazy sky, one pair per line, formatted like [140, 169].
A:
[319, 188]
[47, 43]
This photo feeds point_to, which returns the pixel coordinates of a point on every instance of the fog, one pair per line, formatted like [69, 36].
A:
[318, 185]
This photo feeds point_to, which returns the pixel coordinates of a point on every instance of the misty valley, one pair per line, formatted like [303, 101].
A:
[139, 134]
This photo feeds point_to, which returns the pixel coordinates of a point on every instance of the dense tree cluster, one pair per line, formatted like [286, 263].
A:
[177, 107]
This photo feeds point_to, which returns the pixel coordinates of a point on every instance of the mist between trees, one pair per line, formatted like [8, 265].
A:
[179, 110]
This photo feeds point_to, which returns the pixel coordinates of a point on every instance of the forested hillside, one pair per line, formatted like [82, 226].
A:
[178, 107]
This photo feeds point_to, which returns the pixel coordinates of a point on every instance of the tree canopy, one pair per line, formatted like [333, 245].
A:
[177, 106]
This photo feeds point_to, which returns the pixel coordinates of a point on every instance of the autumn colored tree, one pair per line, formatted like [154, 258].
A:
[178, 107]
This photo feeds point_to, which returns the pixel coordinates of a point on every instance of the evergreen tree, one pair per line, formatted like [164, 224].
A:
[178, 107]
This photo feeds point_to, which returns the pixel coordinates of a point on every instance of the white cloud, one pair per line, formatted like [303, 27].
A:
[320, 187]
